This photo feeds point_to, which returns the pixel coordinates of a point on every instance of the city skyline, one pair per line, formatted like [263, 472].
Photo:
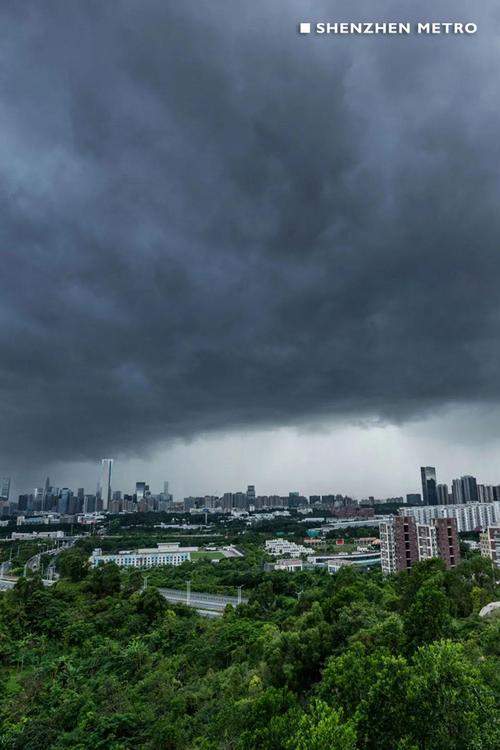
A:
[435, 488]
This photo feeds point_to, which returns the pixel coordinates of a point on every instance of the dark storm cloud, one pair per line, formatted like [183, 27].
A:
[209, 221]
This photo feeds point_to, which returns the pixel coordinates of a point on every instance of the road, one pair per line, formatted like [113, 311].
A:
[201, 601]
[9, 583]
[4, 568]
[33, 564]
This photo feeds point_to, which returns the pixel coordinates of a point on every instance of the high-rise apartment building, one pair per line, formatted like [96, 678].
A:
[106, 470]
[465, 490]
[398, 544]
[444, 532]
[404, 542]
[442, 494]
[469, 487]
[448, 541]
[428, 477]
[227, 502]
[240, 500]
[469, 516]
[486, 493]
[457, 492]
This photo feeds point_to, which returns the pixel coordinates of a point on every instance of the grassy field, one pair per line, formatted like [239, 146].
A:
[207, 555]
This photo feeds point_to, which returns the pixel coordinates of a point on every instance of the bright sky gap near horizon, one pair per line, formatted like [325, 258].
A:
[235, 254]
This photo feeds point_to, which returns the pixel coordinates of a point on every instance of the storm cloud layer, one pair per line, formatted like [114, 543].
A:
[209, 222]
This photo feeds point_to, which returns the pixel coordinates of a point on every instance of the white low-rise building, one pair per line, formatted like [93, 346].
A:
[147, 557]
[291, 565]
[37, 535]
[280, 547]
[335, 564]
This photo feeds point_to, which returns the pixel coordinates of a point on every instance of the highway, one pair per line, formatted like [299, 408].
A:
[33, 564]
[9, 583]
[205, 604]
[201, 601]
[4, 568]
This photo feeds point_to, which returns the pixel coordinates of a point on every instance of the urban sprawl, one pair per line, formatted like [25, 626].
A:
[416, 527]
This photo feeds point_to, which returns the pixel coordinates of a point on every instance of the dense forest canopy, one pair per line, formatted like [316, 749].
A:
[313, 661]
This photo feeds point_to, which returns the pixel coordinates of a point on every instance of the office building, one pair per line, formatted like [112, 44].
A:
[23, 502]
[4, 488]
[140, 491]
[37, 500]
[428, 477]
[106, 469]
[89, 504]
[65, 502]
[46, 497]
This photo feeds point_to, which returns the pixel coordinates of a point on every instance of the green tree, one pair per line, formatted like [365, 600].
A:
[322, 728]
[73, 564]
[428, 618]
[448, 705]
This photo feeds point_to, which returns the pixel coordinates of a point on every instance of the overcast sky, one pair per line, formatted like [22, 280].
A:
[233, 254]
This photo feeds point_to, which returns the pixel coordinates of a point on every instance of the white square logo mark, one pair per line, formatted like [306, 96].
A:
[304, 28]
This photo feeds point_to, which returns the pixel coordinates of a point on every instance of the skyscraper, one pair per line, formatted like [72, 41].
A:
[429, 494]
[140, 491]
[442, 494]
[469, 488]
[107, 466]
[46, 493]
[4, 488]
[465, 490]
[457, 492]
